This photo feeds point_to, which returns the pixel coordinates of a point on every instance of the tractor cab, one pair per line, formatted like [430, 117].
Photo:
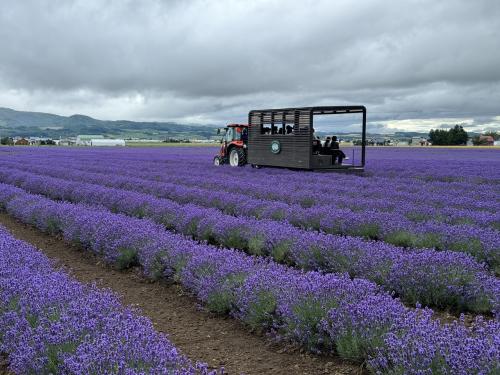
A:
[233, 148]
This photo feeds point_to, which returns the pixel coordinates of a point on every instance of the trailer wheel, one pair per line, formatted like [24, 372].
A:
[218, 161]
[237, 157]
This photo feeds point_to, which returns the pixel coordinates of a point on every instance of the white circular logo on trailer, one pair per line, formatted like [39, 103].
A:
[275, 147]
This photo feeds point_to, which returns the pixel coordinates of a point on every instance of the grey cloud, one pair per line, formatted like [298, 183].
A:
[214, 60]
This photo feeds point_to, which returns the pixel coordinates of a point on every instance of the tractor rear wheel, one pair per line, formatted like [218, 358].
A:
[237, 157]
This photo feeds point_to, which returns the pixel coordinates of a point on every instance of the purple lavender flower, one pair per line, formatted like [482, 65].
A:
[50, 323]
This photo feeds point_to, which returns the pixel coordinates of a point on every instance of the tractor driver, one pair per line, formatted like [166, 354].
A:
[228, 137]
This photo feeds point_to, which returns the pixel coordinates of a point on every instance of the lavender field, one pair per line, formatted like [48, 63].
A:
[396, 269]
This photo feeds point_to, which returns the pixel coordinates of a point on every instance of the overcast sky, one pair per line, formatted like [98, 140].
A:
[414, 64]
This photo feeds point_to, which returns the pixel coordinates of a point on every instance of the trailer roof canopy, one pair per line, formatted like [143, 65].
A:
[320, 110]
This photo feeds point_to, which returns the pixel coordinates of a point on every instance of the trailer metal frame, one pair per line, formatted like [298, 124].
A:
[295, 149]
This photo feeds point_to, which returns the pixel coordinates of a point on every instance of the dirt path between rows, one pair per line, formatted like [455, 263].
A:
[199, 334]
[4, 365]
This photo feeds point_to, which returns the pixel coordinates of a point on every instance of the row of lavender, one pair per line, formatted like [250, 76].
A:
[373, 193]
[368, 223]
[412, 201]
[322, 312]
[283, 185]
[477, 166]
[354, 194]
[312, 190]
[50, 323]
[408, 168]
[440, 279]
[482, 243]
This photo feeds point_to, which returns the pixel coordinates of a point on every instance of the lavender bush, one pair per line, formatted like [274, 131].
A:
[368, 330]
[50, 323]
[321, 312]
[409, 226]
[441, 279]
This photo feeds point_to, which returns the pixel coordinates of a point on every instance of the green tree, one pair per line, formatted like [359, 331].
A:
[439, 137]
[457, 135]
[452, 137]
[6, 141]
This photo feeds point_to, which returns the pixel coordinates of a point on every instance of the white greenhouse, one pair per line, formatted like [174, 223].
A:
[107, 142]
[85, 139]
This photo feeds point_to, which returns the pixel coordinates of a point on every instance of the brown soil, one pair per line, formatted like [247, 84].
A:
[4, 365]
[218, 341]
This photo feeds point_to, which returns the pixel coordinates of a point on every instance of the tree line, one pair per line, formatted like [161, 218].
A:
[8, 141]
[452, 137]
[458, 136]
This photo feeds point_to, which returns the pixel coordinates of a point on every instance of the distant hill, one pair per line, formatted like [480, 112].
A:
[39, 124]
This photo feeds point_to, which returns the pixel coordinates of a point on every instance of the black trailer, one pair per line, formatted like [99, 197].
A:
[284, 138]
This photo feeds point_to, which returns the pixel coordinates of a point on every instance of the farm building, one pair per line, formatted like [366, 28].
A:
[66, 142]
[486, 140]
[85, 139]
[22, 142]
[419, 141]
[107, 142]
[36, 141]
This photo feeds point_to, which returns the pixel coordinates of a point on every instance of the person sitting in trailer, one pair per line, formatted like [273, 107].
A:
[325, 150]
[335, 151]
[316, 144]
[289, 129]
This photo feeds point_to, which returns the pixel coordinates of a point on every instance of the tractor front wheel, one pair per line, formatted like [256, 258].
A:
[237, 157]
[218, 161]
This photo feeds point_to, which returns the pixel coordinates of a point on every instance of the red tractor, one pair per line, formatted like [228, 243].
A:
[233, 149]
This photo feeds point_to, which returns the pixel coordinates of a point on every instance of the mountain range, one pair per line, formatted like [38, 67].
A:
[38, 124]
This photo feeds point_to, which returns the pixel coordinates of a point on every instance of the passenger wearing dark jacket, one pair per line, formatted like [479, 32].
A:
[325, 150]
[335, 151]
[316, 144]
